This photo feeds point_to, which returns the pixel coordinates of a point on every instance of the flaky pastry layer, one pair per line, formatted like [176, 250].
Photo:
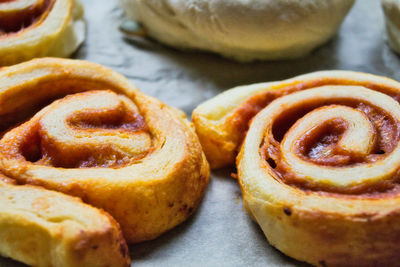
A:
[319, 163]
[105, 142]
[43, 228]
[222, 122]
[39, 28]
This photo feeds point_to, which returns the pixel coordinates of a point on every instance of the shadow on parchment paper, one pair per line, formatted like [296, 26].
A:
[391, 61]
[143, 250]
[226, 73]
[258, 235]
[357, 46]
[5, 262]
[261, 238]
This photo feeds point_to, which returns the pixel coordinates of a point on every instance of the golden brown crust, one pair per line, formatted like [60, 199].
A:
[149, 184]
[328, 239]
[319, 172]
[5, 179]
[221, 122]
[37, 28]
[44, 228]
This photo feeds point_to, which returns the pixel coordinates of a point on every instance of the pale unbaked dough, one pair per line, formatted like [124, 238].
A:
[245, 30]
[391, 9]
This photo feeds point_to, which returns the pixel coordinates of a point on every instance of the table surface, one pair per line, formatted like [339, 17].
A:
[221, 233]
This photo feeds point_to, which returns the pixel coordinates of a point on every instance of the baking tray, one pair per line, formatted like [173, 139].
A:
[220, 233]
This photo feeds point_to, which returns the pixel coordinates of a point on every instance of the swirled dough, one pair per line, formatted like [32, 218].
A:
[318, 163]
[328, 193]
[84, 130]
[39, 28]
[222, 121]
[241, 29]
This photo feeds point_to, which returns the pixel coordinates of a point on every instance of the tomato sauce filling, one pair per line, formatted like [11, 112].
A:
[241, 117]
[29, 143]
[14, 22]
[320, 145]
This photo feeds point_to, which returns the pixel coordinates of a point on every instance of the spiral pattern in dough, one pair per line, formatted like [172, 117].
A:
[319, 171]
[38, 28]
[347, 140]
[319, 163]
[222, 122]
[91, 129]
[84, 130]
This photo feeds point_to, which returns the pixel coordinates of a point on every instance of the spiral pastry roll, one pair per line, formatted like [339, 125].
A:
[44, 228]
[38, 28]
[391, 9]
[319, 166]
[222, 122]
[84, 130]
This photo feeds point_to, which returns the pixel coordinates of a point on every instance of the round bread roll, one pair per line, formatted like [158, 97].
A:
[391, 9]
[240, 29]
[319, 167]
[82, 129]
[38, 28]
